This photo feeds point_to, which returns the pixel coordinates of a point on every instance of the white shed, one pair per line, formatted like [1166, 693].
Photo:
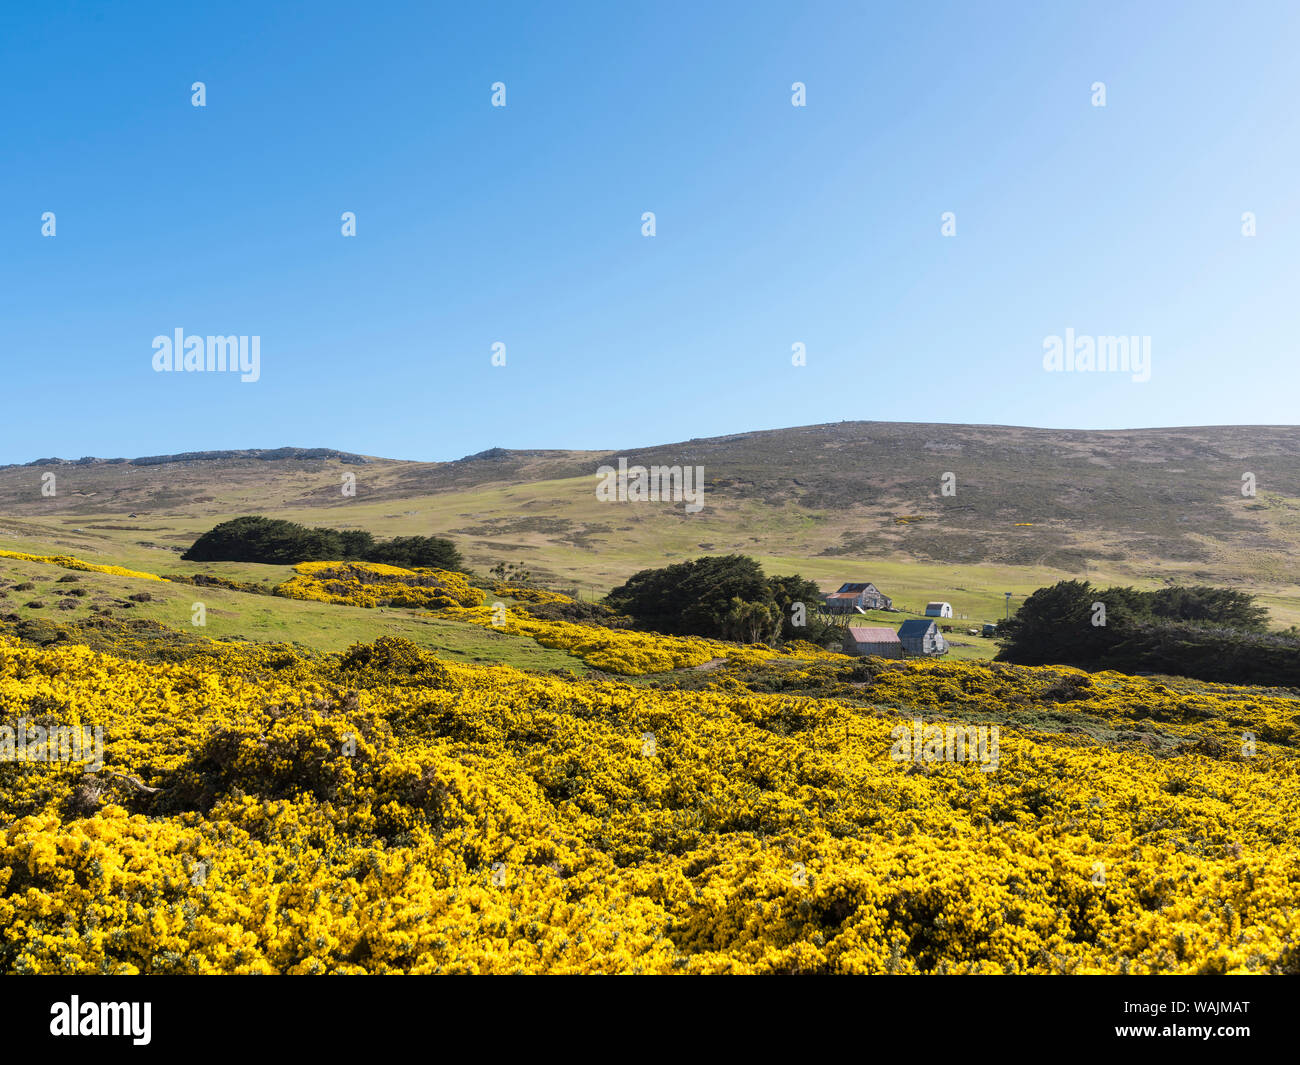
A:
[938, 610]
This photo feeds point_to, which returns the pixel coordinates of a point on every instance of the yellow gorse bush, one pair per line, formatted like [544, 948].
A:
[529, 595]
[386, 812]
[372, 584]
[68, 562]
[624, 651]
[1153, 713]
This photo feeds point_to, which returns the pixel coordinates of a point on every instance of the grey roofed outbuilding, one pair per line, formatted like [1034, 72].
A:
[921, 636]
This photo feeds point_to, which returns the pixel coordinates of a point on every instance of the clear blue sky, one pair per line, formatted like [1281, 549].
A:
[522, 224]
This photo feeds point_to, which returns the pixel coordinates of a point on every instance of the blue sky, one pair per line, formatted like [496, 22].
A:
[522, 224]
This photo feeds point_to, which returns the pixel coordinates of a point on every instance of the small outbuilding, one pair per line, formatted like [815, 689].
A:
[921, 637]
[938, 610]
[861, 640]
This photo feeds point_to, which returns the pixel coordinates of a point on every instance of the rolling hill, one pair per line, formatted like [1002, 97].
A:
[852, 499]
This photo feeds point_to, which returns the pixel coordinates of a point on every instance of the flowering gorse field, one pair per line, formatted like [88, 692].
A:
[381, 811]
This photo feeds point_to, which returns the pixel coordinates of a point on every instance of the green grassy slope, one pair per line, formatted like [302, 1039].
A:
[261, 618]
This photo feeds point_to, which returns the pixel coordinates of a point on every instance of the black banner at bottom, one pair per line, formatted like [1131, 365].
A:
[144, 1015]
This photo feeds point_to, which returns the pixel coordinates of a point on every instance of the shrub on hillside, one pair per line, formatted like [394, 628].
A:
[278, 542]
[432, 552]
[1206, 633]
[374, 584]
[720, 596]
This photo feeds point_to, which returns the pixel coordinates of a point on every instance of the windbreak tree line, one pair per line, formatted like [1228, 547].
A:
[1215, 634]
[723, 597]
[272, 540]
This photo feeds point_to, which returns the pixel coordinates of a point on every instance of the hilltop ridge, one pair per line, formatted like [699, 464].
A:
[1021, 506]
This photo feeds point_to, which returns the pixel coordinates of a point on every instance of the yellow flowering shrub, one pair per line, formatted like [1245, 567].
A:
[383, 811]
[372, 584]
[627, 652]
[68, 562]
[1158, 714]
[528, 595]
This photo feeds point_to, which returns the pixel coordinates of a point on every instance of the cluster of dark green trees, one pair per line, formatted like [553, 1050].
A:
[724, 597]
[1215, 634]
[271, 540]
